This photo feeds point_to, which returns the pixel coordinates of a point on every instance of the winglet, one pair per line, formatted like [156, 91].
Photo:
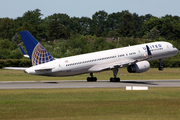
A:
[148, 51]
[37, 53]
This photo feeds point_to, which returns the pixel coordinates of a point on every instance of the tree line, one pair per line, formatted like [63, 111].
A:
[84, 35]
[102, 24]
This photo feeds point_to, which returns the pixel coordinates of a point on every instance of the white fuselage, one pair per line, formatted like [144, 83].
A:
[81, 64]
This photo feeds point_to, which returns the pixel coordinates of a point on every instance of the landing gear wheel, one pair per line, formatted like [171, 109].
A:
[91, 79]
[161, 68]
[114, 79]
[115, 72]
[161, 65]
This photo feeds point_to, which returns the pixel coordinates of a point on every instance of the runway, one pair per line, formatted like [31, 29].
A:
[85, 84]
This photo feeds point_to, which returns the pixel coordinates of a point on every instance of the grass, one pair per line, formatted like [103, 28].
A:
[152, 74]
[97, 103]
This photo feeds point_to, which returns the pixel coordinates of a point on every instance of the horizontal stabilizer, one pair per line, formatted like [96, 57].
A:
[15, 68]
[23, 52]
[27, 56]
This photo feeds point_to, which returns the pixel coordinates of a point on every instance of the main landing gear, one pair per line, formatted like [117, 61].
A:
[161, 65]
[115, 79]
[91, 79]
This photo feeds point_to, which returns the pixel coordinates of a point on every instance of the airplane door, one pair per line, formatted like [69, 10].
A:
[168, 47]
[140, 52]
[58, 65]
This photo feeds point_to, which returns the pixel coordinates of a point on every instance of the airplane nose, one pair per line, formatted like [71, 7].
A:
[176, 51]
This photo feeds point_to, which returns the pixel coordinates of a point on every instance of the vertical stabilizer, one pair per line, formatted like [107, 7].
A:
[37, 53]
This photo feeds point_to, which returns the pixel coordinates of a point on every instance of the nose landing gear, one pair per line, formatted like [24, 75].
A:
[161, 68]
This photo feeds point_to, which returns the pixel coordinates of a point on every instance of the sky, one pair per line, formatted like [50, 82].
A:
[86, 8]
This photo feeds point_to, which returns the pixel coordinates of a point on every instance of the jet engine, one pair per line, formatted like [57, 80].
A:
[139, 67]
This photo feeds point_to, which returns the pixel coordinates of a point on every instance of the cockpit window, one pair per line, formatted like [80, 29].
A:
[173, 46]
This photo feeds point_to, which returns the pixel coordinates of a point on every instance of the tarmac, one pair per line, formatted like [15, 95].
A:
[85, 84]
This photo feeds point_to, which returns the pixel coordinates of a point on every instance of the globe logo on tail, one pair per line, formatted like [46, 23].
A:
[40, 55]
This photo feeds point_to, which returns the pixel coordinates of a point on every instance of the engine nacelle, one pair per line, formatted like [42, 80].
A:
[139, 67]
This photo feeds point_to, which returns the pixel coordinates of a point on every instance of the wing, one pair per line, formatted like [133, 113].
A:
[109, 66]
[120, 63]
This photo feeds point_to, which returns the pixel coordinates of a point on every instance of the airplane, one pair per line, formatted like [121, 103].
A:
[136, 58]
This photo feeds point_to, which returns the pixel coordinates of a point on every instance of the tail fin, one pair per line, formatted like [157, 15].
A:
[37, 53]
[23, 52]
